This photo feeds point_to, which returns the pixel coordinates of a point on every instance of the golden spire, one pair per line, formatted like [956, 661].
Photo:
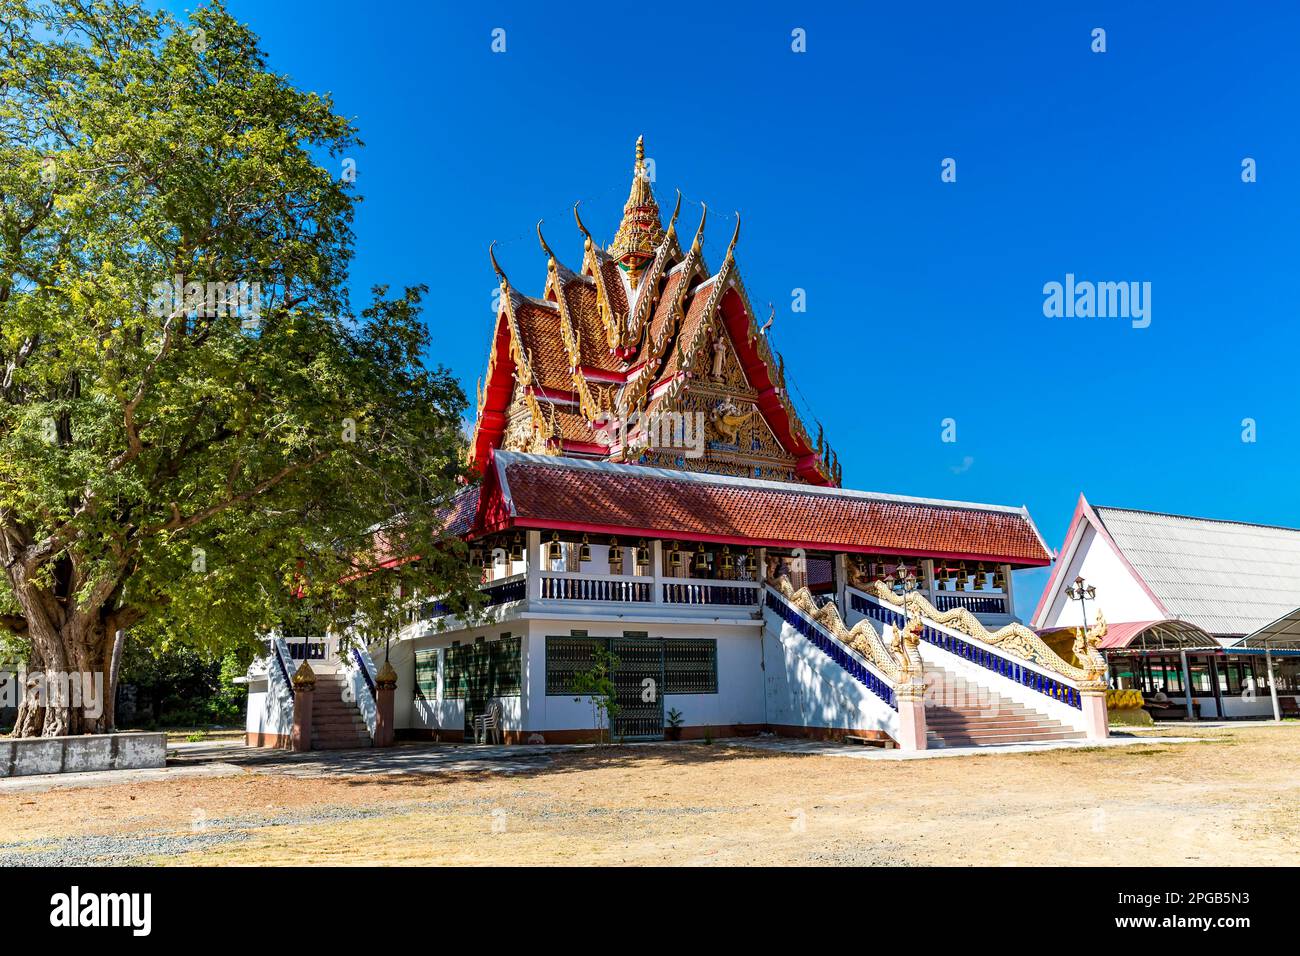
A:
[641, 231]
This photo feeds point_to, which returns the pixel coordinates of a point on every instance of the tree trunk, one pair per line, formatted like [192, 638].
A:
[68, 676]
[114, 672]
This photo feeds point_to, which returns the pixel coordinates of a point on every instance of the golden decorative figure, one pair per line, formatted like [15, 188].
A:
[863, 637]
[727, 419]
[1087, 649]
[1014, 638]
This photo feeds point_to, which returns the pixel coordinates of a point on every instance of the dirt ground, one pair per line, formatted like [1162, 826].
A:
[1233, 799]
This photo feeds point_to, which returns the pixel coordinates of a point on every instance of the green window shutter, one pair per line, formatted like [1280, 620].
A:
[426, 674]
[507, 666]
[691, 666]
[566, 657]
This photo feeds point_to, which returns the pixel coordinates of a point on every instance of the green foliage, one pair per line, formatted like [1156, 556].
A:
[164, 467]
[596, 684]
[674, 717]
[183, 687]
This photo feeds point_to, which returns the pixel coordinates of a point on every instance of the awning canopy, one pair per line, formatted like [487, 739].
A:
[1151, 636]
[1282, 633]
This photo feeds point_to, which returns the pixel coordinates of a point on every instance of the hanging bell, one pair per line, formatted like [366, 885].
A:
[517, 548]
[962, 572]
[476, 557]
[556, 551]
[701, 562]
[728, 562]
[584, 552]
[676, 560]
[642, 554]
[999, 579]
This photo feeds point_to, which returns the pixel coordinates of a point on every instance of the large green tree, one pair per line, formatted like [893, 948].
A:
[192, 466]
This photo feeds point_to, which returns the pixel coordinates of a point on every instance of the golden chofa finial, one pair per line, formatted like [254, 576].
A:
[496, 266]
[581, 228]
[542, 239]
[731, 246]
[672, 222]
[699, 232]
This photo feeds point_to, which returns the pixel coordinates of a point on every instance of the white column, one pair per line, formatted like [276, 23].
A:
[1187, 685]
[533, 570]
[842, 584]
[1011, 596]
[928, 593]
[657, 566]
[1272, 684]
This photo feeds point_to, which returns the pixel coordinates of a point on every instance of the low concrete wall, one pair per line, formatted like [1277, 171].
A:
[21, 757]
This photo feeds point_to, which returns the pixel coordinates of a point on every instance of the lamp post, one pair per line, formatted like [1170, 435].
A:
[904, 586]
[1083, 593]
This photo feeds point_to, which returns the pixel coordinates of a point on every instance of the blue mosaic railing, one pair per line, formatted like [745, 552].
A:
[505, 592]
[365, 673]
[284, 671]
[820, 638]
[982, 656]
[975, 603]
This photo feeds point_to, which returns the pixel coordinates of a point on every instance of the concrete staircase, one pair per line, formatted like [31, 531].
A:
[336, 724]
[959, 713]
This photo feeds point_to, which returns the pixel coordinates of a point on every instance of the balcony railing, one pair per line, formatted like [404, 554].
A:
[506, 590]
[729, 594]
[972, 601]
[559, 586]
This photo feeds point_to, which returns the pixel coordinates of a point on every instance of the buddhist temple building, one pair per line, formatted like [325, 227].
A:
[1203, 615]
[649, 507]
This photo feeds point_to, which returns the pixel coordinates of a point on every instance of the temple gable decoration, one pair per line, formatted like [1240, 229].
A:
[643, 355]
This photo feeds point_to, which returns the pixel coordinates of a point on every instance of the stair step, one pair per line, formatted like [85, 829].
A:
[993, 738]
[1021, 721]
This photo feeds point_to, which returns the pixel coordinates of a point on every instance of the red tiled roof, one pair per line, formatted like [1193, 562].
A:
[678, 360]
[551, 492]
[539, 332]
[593, 341]
[612, 277]
[457, 516]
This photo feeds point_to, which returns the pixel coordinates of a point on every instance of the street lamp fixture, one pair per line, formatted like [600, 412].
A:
[1082, 592]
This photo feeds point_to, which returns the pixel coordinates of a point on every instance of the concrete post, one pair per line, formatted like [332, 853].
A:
[841, 570]
[1272, 685]
[1011, 596]
[385, 686]
[1187, 685]
[911, 716]
[533, 565]
[657, 567]
[1096, 722]
[304, 693]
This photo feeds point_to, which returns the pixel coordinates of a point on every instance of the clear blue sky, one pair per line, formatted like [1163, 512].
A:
[924, 299]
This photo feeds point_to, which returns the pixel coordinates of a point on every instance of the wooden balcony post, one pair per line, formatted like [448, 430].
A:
[1010, 596]
[657, 565]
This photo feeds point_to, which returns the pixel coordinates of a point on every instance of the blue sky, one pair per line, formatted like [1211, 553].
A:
[925, 298]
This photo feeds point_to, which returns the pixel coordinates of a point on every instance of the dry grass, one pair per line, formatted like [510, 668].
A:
[1233, 801]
